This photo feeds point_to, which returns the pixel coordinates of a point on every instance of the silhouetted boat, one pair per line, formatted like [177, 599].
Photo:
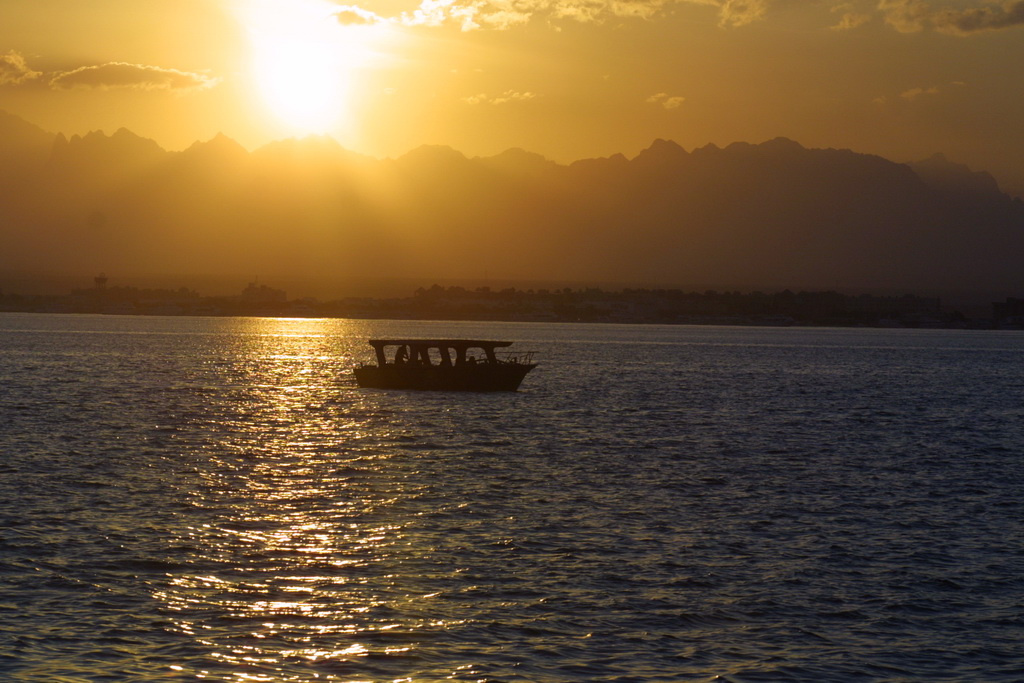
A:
[444, 365]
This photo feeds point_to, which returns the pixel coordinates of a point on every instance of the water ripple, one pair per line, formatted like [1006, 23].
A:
[189, 498]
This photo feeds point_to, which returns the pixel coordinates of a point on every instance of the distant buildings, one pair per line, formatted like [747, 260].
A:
[636, 306]
[256, 293]
[1009, 314]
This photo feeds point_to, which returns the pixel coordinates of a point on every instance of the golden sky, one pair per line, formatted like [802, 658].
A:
[568, 79]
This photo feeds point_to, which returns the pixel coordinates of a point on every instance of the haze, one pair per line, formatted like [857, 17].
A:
[567, 80]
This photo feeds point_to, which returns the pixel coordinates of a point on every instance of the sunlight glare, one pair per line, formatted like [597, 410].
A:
[304, 60]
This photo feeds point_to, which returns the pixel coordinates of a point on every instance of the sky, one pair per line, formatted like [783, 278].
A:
[568, 79]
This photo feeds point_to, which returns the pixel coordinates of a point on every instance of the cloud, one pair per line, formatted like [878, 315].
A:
[920, 92]
[504, 98]
[911, 16]
[14, 70]
[505, 19]
[351, 15]
[906, 16]
[987, 18]
[640, 9]
[666, 101]
[132, 76]
[741, 12]
[915, 93]
[850, 19]
[504, 14]
[440, 12]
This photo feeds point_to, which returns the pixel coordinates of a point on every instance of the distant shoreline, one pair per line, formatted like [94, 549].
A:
[566, 305]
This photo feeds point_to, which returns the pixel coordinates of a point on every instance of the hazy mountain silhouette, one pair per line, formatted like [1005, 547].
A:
[747, 216]
[24, 148]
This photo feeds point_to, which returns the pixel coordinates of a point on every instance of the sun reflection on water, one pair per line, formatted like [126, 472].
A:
[296, 515]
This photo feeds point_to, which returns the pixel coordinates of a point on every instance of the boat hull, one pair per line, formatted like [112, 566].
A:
[479, 377]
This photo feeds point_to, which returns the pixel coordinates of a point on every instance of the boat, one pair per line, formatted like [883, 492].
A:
[444, 365]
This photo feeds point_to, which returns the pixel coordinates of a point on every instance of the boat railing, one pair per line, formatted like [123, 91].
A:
[517, 357]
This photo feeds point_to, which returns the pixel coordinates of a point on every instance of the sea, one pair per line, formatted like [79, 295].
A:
[186, 498]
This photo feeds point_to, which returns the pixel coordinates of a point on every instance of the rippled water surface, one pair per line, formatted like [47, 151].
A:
[188, 498]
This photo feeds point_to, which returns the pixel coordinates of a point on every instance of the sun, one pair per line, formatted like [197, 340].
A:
[300, 84]
[304, 60]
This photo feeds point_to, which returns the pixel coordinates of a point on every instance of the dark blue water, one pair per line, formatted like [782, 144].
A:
[215, 498]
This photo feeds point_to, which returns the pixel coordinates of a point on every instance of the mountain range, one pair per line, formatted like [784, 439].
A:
[310, 213]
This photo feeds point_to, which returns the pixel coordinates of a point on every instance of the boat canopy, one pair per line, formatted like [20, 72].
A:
[417, 348]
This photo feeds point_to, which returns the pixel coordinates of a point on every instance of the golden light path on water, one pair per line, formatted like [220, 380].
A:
[302, 514]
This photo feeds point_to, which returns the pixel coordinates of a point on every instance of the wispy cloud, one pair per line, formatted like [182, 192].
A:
[504, 98]
[742, 12]
[906, 16]
[504, 14]
[351, 15]
[922, 92]
[134, 76]
[15, 71]
[986, 18]
[915, 93]
[911, 16]
[439, 12]
[138, 77]
[849, 18]
[666, 101]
